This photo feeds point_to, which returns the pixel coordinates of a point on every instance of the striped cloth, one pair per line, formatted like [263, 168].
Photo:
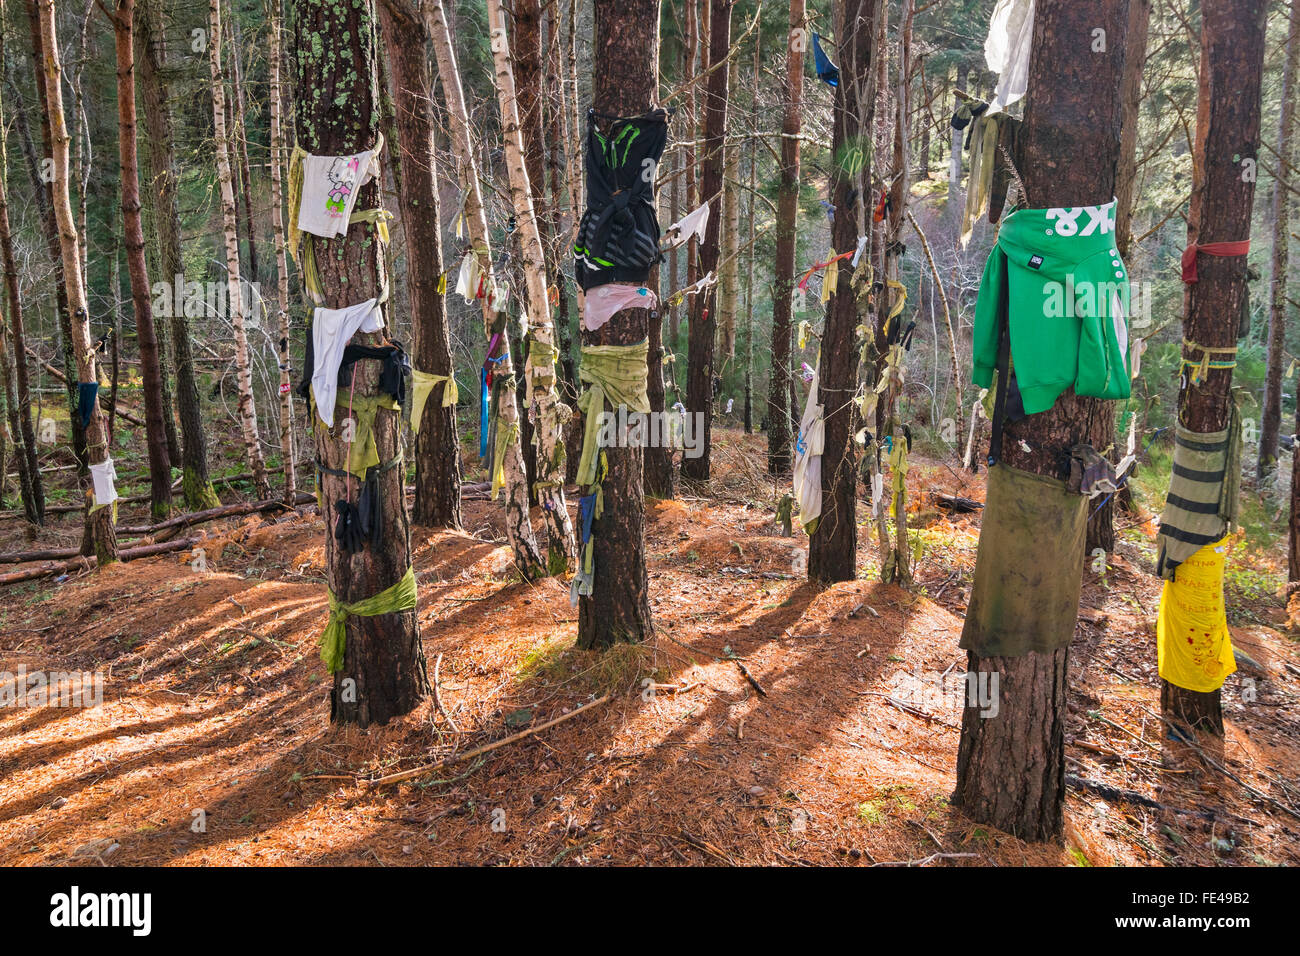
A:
[1202, 503]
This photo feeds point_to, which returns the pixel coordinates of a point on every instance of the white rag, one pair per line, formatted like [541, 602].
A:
[603, 301]
[102, 476]
[808, 458]
[1006, 50]
[330, 331]
[692, 224]
[468, 279]
[329, 190]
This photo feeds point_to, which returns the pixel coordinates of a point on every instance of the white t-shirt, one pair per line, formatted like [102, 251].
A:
[329, 190]
[331, 329]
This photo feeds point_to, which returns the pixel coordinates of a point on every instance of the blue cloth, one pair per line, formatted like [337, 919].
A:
[86, 392]
[827, 71]
[482, 413]
[586, 512]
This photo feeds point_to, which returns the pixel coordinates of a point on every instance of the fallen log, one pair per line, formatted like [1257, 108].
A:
[171, 524]
[210, 514]
[86, 563]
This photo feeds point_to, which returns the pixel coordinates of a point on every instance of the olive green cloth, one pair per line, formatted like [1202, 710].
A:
[614, 373]
[1029, 567]
[400, 597]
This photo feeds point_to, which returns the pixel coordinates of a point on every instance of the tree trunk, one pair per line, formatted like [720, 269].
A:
[519, 530]
[99, 533]
[437, 449]
[25, 435]
[337, 114]
[779, 460]
[196, 487]
[1011, 770]
[832, 548]
[955, 199]
[234, 293]
[1271, 420]
[546, 411]
[1223, 192]
[702, 332]
[44, 190]
[624, 83]
[160, 471]
[278, 163]
[729, 240]
[241, 145]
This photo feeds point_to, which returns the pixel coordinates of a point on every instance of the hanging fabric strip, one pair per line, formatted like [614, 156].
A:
[1006, 50]
[102, 476]
[803, 281]
[422, 386]
[86, 392]
[1193, 644]
[1201, 505]
[1223, 249]
[827, 71]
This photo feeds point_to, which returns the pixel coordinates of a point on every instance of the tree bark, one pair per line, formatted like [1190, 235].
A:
[1223, 193]
[279, 161]
[24, 435]
[832, 548]
[196, 487]
[240, 132]
[337, 114]
[44, 190]
[702, 332]
[437, 448]
[624, 83]
[1011, 769]
[779, 457]
[99, 533]
[519, 529]
[1271, 420]
[247, 410]
[524, 162]
[160, 471]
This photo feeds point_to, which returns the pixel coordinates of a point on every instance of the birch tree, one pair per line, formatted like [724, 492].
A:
[100, 535]
[549, 414]
[279, 161]
[519, 529]
[247, 411]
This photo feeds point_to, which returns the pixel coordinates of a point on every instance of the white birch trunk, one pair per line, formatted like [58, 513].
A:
[234, 300]
[519, 528]
[278, 160]
[100, 532]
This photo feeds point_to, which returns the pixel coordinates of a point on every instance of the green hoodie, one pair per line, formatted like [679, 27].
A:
[1057, 277]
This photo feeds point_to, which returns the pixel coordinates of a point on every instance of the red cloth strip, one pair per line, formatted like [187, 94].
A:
[1226, 249]
[803, 283]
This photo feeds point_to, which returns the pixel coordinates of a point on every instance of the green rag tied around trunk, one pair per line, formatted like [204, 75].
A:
[399, 597]
[614, 374]
[1029, 567]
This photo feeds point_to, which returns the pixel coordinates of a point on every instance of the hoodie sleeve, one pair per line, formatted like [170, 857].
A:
[989, 309]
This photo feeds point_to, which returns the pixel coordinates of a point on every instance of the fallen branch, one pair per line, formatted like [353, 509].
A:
[210, 514]
[477, 751]
[86, 563]
[750, 677]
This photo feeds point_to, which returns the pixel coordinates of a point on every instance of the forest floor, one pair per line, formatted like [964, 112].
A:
[215, 700]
